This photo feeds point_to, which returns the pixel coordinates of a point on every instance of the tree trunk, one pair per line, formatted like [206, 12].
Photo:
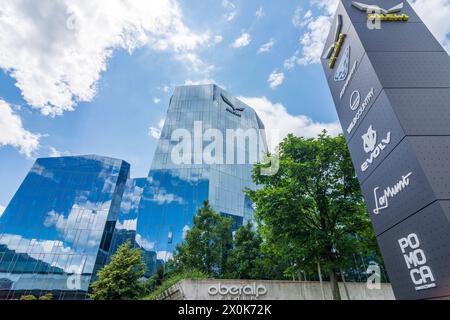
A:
[345, 285]
[334, 285]
[320, 279]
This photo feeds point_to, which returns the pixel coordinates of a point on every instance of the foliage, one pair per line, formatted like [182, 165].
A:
[48, 296]
[121, 278]
[245, 260]
[28, 298]
[174, 279]
[207, 244]
[312, 209]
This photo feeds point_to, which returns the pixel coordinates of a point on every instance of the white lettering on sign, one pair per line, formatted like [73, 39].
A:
[355, 100]
[416, 262]
[234, 290]
[372, 148]
[382, 202]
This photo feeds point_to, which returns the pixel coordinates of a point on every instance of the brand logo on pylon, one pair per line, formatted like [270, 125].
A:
[375, 12]
[371, 147]
[342, 71]
[355, 103]
[416, 262]
[382, 202]
[332, 54]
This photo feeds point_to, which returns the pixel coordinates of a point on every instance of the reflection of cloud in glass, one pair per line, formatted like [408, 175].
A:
[162, 197]
[35, 248]
[144, 243]
[164, 255]
[41, 171]
[81, 217]
[186, 228]
[130, 200]
[129, 225]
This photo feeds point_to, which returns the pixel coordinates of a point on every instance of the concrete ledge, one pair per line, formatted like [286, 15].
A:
[270, 290]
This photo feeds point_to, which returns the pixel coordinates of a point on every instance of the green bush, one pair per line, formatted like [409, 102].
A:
[174, 279]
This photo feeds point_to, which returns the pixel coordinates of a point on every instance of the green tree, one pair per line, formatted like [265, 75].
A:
[245, 260]
[207, 244]
[120, 279]
[312, 209]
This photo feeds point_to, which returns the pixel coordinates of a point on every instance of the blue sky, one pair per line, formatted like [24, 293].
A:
[95, 77]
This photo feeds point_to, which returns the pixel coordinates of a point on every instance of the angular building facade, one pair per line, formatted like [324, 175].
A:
[57, 230]
[207, 149]
[390, 81]
[71, 214]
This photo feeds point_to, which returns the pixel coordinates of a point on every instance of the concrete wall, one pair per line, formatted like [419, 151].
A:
[274, 290]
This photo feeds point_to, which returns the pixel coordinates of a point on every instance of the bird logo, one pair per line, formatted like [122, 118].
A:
[375, 12]
[232, 109]
[334, 50]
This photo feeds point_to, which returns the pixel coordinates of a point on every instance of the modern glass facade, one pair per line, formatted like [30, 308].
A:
[71, 213]
[198, 118]
[57, 230]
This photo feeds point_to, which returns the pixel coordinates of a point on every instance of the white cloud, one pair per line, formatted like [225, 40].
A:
[231, 7]
[313, 40]
[190, 82]
[275, 79]
[156, 100]
[12, 132]
[260, 13]
[308, 14]
[155, 132]
[243, 41]
[54, 153]
[436, 15]
[2, 209]
[267, 46]
[192, 61]
[296, 17]
[277, 119]
[291, 62]
[165, 89]
[218, 39]
[57, 49]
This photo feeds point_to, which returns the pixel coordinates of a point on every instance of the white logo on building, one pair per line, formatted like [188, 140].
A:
[349, 78]
[355, 103]
[342, 71]
[382, 202]
[374, 276]
[416, 262]
[234, 290]
[372, 148]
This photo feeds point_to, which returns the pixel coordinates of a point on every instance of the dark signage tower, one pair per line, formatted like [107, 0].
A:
[390, 81]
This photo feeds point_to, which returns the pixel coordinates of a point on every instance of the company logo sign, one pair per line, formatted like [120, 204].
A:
[355, 104]
[332, 54]
[231, 108]
[235, 290]
[382, 199]
[349, 78]
[372, 147]
[375, 12]
[342, 71]
[416, 262]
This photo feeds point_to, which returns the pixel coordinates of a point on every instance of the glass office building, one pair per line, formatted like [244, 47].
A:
[57, 230]
[208, 146]
[72, 213]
